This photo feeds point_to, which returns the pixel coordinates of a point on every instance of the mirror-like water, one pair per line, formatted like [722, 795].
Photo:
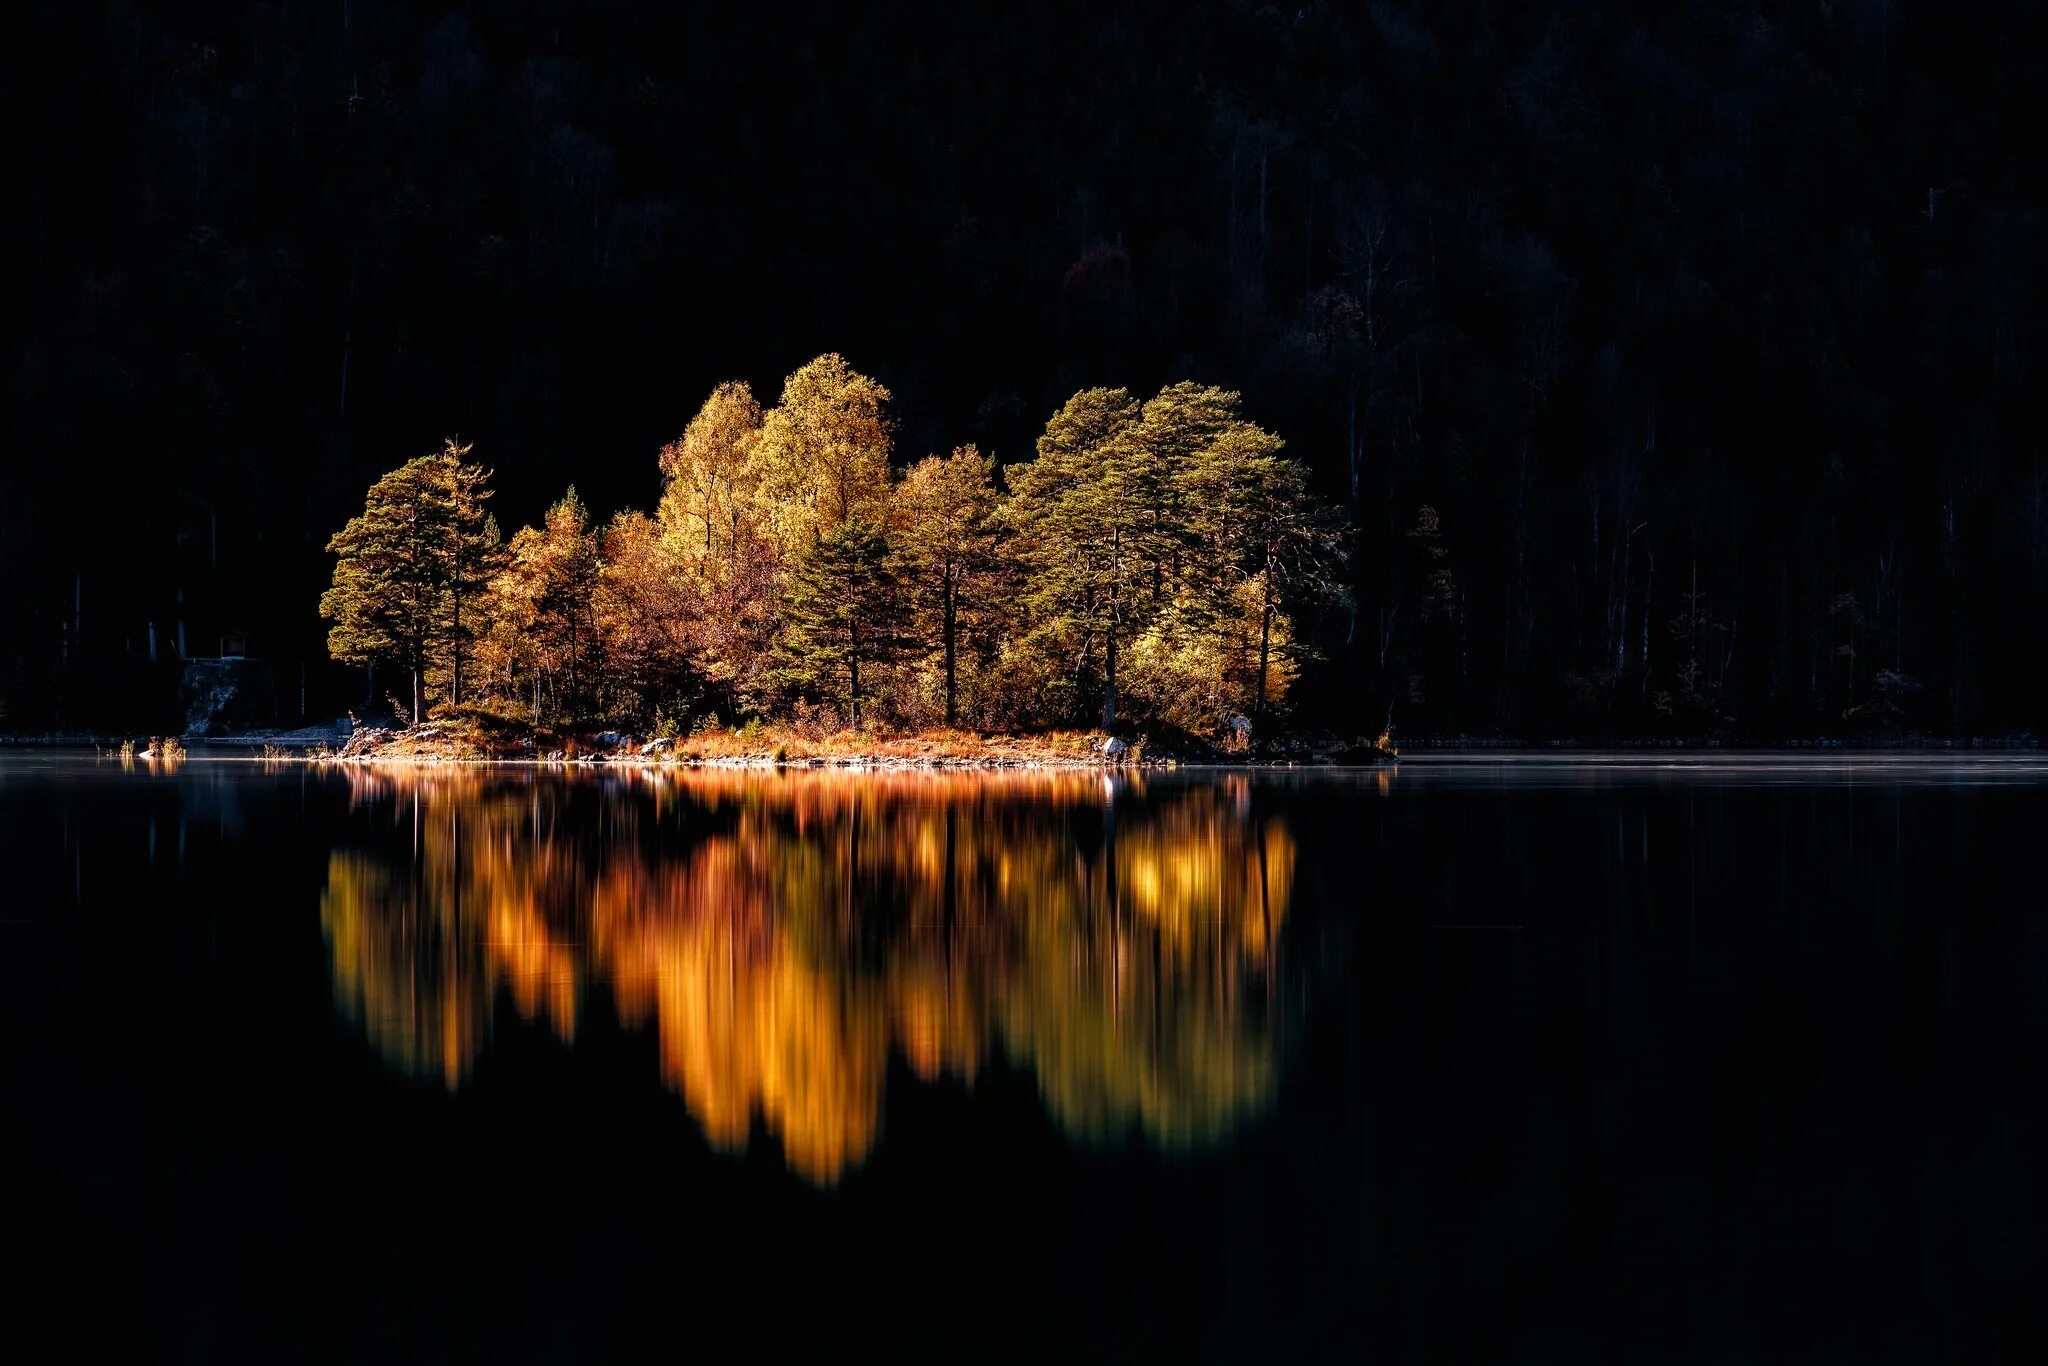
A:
[1495, 1056]
[782, 939]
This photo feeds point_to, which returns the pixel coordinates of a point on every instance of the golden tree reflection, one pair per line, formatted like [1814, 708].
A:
[784, 935]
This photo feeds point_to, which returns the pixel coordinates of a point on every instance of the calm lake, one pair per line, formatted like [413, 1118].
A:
[1486, 1058]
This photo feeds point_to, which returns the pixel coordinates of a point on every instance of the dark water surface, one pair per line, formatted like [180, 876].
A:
[1483, 1059]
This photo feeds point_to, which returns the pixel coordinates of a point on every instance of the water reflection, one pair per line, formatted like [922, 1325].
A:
[784, 935]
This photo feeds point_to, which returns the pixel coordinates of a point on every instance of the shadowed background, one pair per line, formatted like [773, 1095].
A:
[1708, 335]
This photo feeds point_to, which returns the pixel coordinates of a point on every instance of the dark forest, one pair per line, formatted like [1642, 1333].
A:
[1674, 366]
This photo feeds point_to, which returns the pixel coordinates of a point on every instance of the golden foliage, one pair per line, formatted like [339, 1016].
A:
[1141, 568]
[822, 457]
[709, 480]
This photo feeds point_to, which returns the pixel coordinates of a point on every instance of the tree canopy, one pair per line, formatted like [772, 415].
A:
[790, 571]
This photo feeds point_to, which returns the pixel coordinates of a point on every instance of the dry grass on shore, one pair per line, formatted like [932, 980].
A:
[937, 747]
[754, 744]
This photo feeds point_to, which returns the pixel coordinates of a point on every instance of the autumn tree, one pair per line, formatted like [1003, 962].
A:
[646, 612]
[548, 625]
[822, 456]
[708, 480]
[944, 550]
[714, 525]
[841, 614]
[409, 565]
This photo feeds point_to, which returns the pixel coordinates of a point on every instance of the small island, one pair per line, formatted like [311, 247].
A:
[1131, 596]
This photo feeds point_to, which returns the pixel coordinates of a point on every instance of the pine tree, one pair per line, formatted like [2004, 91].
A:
[1174, 444]
[405, 567]
[944, 545]
[1176, 524]
[1077, 513]
[474, 551]
[1273, 542]
[841, 612]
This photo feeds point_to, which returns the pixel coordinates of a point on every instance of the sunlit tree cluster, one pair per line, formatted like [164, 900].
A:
[1147, 566]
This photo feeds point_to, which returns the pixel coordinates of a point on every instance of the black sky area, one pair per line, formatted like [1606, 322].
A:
[1709, 331]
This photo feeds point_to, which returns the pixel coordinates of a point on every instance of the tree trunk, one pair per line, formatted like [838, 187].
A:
[951, 616]
[1109, 692]
[455, 639]
[415, 692]
[853, 674]
[1265, 657]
